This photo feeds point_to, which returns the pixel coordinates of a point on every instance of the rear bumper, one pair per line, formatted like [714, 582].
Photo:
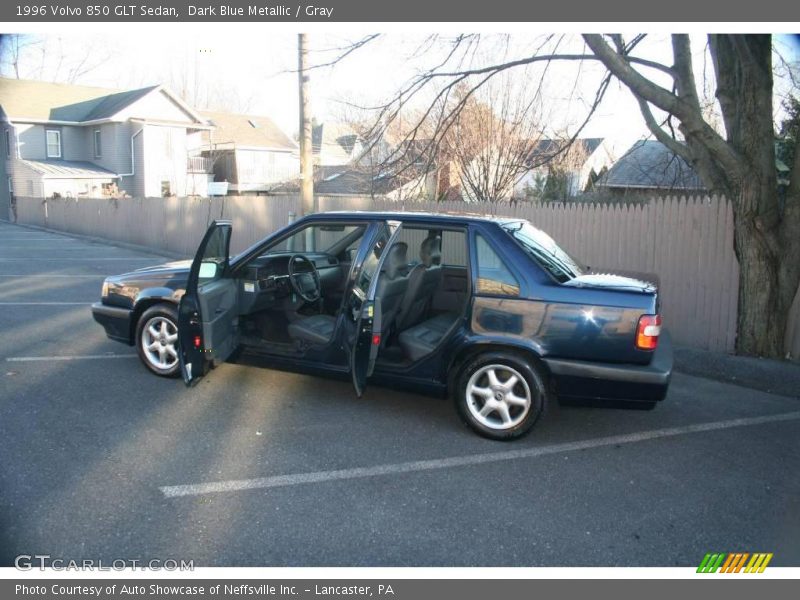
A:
[115, 320]
[610, 381]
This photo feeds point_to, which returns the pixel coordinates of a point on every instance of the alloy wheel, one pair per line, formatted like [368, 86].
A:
[498, 396]
[159, 343]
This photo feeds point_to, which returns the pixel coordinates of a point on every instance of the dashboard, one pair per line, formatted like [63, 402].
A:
[265, 280]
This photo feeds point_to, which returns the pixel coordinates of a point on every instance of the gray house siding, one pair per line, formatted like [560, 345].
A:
[7, 155]
[31, 141]
[115, 146]
[135, 184]
[73, 146]
[26, 181]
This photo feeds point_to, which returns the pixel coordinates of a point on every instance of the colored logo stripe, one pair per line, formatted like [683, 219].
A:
[758, 563]
[733, 562]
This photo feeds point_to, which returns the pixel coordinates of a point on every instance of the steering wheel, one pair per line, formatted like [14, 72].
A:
[304, 283]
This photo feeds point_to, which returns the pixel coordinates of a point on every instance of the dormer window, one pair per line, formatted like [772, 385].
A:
[53, 143]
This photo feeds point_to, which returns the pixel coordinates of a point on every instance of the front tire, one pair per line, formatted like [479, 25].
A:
[500, 395]
[157, 340]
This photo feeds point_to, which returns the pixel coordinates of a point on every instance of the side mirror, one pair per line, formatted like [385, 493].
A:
[208, 270]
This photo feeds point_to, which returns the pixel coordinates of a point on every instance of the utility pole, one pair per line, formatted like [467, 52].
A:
[307, 204]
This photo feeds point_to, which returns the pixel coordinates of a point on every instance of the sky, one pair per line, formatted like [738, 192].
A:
[255, 73]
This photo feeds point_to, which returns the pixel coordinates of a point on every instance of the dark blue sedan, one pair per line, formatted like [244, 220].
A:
[491, 311]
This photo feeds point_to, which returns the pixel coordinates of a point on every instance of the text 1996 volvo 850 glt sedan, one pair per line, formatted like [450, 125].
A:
[492, 311]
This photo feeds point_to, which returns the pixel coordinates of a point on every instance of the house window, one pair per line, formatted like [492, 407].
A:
[98, 149]
[493, 275]
[53, 143]
[166, 189]
[8, 142]
[10, 186]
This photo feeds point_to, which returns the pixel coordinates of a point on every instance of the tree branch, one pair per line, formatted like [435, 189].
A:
[693, 125]
[684, 74]
[662, 136]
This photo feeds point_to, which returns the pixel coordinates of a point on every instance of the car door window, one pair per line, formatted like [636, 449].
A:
[329, 238]
[371, 261]
[214, 257]
[494, 277]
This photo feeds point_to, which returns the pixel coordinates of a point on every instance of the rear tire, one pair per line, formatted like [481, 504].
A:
[500, 395]
[157, 340]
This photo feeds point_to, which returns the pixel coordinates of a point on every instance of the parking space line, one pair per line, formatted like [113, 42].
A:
[71, 248]
[45, 303]
[71, 259]
[67, 357]
[177, 491]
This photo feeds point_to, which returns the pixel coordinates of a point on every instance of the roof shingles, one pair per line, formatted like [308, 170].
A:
[649, 164]
[247, 130]
[41, 100]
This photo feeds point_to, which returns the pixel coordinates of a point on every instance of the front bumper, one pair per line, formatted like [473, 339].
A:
[115, 320]
[611, 381]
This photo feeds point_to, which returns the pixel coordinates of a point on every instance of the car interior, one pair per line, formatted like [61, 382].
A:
[291, 294]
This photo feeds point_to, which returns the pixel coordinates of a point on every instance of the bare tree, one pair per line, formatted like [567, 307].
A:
[739, 163]
[383, 162]
[13, 48]
[47, 59]
[492, 139]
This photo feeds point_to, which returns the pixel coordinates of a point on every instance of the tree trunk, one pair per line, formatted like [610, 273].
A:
[762, 316]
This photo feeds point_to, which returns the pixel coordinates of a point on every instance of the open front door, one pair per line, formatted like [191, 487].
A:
[208, 312]
[364, 308]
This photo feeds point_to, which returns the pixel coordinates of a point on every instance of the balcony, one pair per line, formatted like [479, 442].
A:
[199, 164]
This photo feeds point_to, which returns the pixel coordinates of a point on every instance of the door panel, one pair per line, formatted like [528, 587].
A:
[219, 309]
[208, 311]
[452, 293]
[364, 307]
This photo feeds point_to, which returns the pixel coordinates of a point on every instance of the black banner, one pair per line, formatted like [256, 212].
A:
[610, 11]
[397, 589]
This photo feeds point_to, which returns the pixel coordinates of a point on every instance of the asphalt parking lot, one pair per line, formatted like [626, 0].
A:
[251, 467]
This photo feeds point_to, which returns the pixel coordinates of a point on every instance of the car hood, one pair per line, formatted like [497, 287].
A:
[167, 270]
[644, 283]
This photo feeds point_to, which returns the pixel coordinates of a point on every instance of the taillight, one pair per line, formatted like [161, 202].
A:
[648, 331]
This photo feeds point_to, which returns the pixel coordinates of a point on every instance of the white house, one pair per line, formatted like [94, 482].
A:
[72, 141]
[250, 152]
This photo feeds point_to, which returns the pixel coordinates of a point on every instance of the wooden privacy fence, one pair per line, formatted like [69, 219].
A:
[688, 243]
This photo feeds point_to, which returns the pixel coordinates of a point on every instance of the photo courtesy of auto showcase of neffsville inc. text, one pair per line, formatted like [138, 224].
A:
[367, 301]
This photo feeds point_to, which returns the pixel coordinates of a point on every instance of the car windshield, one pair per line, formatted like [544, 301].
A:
[319, 237]
[545, 251]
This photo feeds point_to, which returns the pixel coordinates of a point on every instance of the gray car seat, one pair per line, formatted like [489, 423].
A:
[423, 280]
[392, 287]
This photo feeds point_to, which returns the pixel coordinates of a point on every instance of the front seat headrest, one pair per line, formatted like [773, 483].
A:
[430, 251]
[396, 261]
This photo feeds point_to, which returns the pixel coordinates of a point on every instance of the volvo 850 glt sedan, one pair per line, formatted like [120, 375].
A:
[489, 310]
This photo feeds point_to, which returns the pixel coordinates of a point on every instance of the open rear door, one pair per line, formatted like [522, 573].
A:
[364, 308]
[208, 312]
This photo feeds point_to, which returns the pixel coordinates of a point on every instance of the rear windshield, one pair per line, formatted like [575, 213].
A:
[543, 249]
